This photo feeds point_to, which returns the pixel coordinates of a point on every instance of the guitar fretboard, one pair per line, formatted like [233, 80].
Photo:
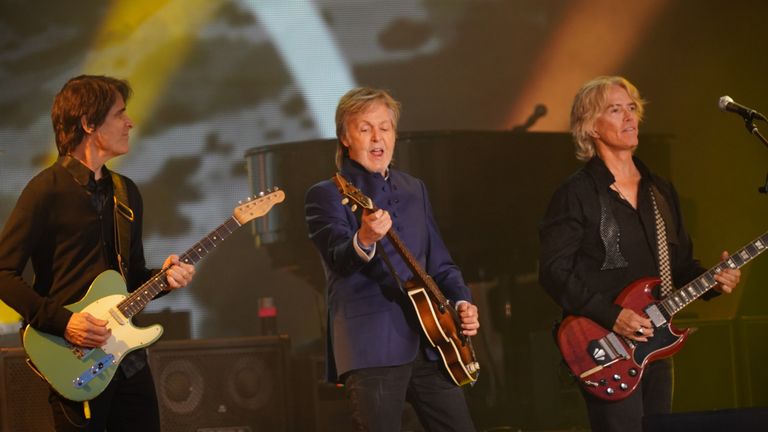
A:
[417, 270]
[139, 299]
[685, 295]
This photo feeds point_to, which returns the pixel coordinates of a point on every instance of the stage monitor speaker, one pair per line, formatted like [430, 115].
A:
[223, 385]
[23, 395]
[731, 420]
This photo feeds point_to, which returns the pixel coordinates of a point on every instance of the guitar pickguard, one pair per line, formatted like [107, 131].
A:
[79, 373]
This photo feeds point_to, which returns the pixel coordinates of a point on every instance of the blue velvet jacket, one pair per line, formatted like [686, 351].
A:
[371, 323]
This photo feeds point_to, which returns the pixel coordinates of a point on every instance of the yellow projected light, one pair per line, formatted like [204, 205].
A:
[594, 37]
[145, 41]
[8, 315]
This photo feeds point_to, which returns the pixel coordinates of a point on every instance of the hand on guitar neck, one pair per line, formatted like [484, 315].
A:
[373, 227]
[177, 273]
[728, 278]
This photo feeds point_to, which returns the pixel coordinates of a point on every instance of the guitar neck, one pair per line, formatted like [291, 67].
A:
[416, 268]
[139, 299]
[353, 194]
[685, 295]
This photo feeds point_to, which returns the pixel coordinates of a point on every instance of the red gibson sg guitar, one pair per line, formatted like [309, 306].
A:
[438, 318]
[609, 365]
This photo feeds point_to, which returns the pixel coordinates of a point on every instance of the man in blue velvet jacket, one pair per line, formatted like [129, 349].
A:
[375, 344]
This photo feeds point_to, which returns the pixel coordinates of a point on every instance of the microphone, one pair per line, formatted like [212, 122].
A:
[726, 103]
[539, 111]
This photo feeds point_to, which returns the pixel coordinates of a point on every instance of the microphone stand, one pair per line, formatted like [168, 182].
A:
[749, 123]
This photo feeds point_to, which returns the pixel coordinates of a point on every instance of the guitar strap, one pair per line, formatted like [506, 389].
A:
[390, 267]
[665, 270]
[123, 216]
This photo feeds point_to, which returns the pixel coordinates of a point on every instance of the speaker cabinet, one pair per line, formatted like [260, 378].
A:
[23, 395]
[240, 384]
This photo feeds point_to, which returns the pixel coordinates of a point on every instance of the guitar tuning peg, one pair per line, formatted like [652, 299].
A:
[354, 207]
[275, 188]
[261, 194]
[240, 202]
[345, 201]
[249, 198]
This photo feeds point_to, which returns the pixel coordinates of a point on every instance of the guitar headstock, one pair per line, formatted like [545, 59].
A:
[258, 205]
[352, 194]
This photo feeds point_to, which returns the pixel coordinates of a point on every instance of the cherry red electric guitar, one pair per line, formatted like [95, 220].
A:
[609, 365]
[438, 317]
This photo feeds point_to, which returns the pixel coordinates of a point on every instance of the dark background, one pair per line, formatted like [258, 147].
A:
[232, 97]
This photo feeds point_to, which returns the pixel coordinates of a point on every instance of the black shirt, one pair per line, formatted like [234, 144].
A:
[63, 222]
[573, 251]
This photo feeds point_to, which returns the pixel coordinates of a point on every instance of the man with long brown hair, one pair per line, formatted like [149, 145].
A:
[65, 223]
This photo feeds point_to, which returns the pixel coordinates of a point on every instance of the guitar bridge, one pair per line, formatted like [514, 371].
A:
[97, 369]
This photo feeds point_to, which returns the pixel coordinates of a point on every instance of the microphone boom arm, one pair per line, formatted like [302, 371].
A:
[749, 123]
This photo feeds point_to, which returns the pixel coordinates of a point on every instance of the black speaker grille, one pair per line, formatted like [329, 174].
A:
[24, 401]
[225, 385]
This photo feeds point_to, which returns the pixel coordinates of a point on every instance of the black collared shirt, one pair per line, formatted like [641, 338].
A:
[573, 252]
[63, 222]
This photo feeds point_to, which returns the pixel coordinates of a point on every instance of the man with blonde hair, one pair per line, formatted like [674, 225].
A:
[600, 234]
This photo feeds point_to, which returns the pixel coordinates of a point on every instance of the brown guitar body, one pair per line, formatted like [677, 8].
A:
[442, 332]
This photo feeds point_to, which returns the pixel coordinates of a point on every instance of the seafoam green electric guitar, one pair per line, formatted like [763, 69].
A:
[79, 373]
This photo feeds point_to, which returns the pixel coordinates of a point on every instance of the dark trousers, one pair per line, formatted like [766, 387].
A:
[378, 397]
[652, 396]
[127, 404]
